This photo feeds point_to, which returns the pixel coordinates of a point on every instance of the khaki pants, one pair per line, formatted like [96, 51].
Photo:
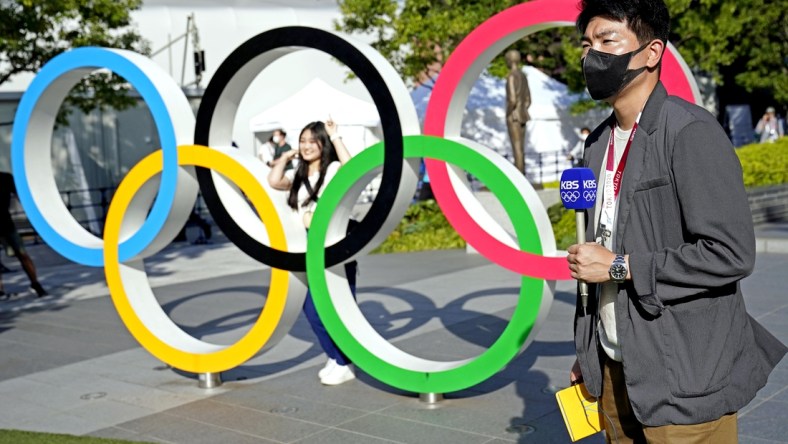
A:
[625, 428]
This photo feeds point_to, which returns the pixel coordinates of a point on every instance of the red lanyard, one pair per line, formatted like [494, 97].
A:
[621, 164]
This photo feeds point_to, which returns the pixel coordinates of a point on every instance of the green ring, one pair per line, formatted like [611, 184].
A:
[505, 348]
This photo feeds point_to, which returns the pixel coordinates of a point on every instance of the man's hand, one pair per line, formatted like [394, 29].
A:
[590, 262]
[575, 375]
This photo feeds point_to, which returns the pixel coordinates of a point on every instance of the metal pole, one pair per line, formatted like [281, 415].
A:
[186, 47]
[209, 380]
[169, 52]
[430, 398]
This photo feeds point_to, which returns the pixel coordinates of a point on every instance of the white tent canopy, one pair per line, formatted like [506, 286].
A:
[550, 133]
[316, 101]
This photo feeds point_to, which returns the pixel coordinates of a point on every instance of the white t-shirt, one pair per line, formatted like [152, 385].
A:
[265, 152]
[608, 335]
[303, 194]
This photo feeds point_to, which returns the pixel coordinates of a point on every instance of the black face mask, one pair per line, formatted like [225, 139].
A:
[607, 74]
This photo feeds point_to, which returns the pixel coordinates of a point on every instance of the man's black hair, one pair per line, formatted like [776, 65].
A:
[648, 19]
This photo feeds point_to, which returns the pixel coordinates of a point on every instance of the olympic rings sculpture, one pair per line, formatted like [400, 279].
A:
[154, 200]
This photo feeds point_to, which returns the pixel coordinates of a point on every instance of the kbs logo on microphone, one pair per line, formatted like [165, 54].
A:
[575, 184]
[578, 188]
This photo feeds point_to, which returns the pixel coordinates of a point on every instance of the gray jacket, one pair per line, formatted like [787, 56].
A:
[690, 351]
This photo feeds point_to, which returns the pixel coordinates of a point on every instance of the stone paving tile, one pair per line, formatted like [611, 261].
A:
[15, 412]
[247, 421]
[178, 430]
[484, 415]
[548, 429]
[119, 433]
[334, 436]
[34, 339]
[777, 382]
[107, 412]
[767, 421]
[406, 431]
[59, 422]
[363, 393]
[751, 440]
[284, 404]
[43, 395]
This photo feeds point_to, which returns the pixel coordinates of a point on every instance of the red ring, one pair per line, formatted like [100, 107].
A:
[460, 65]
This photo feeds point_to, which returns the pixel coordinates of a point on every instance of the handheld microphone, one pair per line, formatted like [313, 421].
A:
[578, 192]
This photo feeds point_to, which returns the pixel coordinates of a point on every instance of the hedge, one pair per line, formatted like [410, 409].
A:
[764, 163]
[424, 227]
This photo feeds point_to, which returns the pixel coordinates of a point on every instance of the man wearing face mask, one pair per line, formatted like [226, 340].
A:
[281, 146]
[665, 341]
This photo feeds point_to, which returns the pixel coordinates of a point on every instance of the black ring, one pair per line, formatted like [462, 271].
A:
[285, 39]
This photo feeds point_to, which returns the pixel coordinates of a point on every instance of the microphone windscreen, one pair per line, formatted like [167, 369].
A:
[578, 188]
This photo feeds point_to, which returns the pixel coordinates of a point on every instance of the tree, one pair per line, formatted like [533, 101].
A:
[417, 35]
[739, 43]
[34, 31]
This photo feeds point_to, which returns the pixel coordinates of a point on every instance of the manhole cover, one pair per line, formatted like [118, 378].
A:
[521, 429]
[161, 368]
[283, 410]
[94, 395]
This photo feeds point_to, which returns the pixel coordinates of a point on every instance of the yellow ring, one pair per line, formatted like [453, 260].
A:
[202, 357]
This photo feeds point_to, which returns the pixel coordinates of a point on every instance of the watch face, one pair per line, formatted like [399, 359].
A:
[618, 272]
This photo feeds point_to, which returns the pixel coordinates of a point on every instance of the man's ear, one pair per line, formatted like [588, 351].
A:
[656, 49]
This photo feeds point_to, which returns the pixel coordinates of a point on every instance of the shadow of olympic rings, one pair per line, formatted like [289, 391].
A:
[471, 326]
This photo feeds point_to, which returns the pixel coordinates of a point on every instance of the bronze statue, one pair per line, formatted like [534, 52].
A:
[518, 99]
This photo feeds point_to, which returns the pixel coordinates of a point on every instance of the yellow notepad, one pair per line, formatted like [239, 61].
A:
[580, 411]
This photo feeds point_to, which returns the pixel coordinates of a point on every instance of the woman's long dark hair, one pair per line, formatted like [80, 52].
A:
[328, 155]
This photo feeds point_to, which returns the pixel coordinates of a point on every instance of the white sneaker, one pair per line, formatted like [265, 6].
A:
[330, 364]
[338, 375]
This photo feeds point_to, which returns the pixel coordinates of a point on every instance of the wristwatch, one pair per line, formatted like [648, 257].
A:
[618, 270]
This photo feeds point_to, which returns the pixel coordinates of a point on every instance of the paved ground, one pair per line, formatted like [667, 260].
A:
[68, 365]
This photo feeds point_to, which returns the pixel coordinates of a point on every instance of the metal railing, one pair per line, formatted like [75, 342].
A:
[88, 207]
[545, 167]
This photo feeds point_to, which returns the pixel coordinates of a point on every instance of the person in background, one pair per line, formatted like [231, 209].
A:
[424, 191]
[321, 152]
[279, 141]
[265, 152]
[9, 236]
[576, 153]
[770, 127]
[664, 340]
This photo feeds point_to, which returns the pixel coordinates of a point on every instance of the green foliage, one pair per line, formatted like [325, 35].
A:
[765, 164]
[424, 227]
[744, 40]
[563, 222]
[421, 33]
[34, 31]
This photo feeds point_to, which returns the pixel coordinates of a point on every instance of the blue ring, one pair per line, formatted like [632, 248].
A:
[115, 61]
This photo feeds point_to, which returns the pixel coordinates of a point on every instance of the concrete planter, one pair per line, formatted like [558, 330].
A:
[769, 204]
